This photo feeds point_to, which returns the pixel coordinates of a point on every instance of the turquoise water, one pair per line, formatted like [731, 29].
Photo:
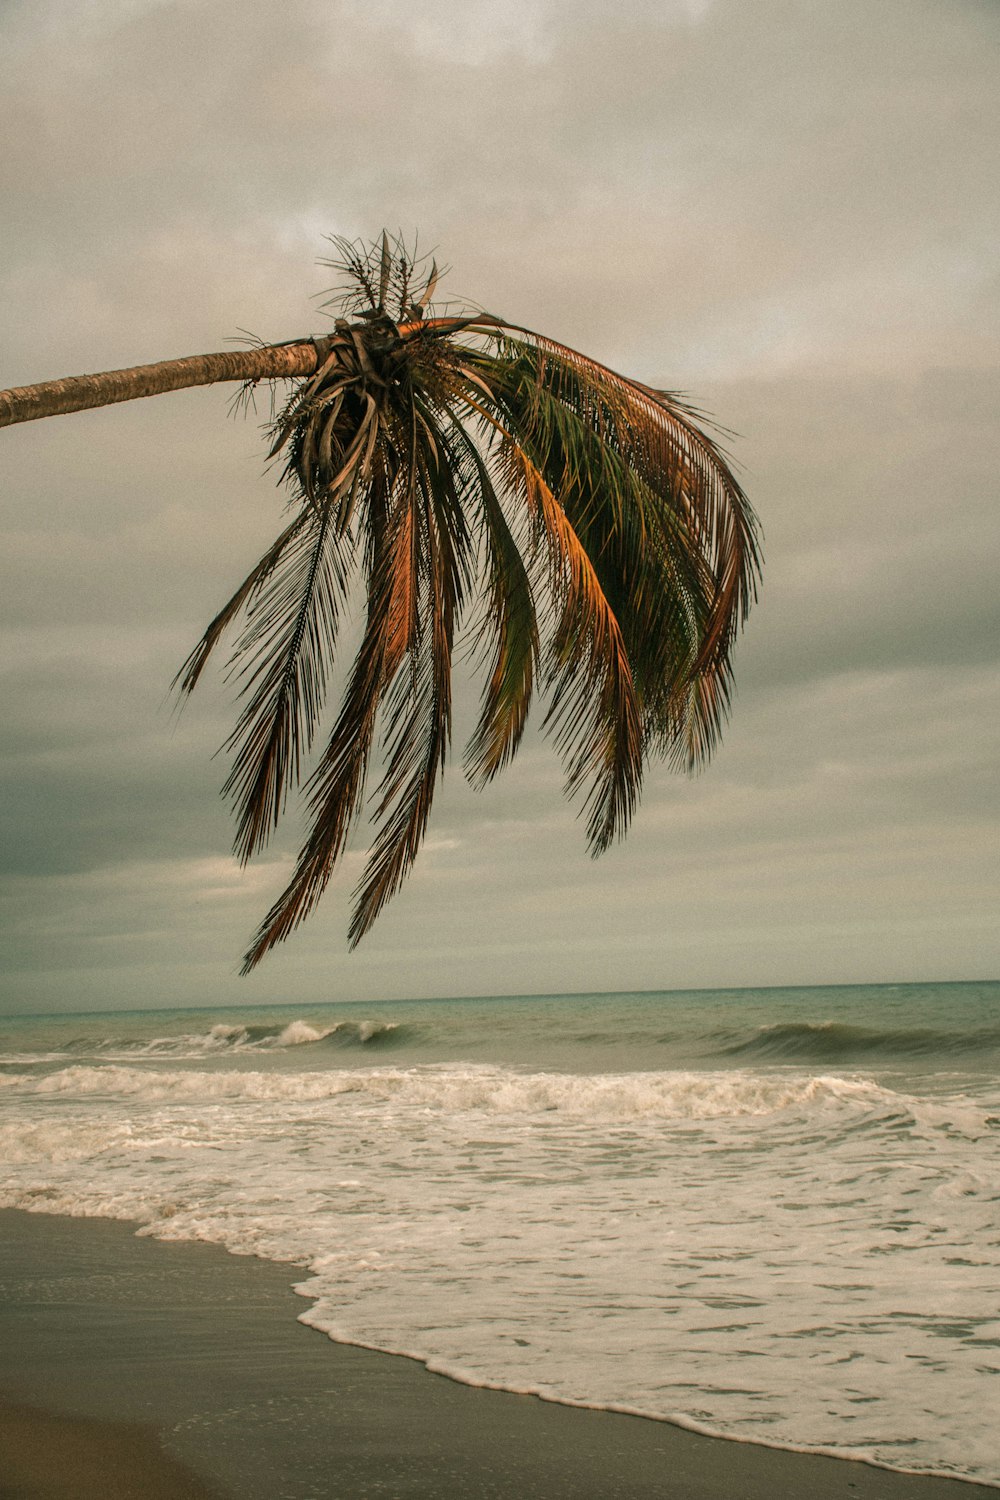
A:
[773, 1214]
[927, 1029]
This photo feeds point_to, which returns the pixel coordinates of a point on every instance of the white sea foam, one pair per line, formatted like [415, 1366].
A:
[295, 1034]
[500, 1091]
[27, 1059]
[808, 1258]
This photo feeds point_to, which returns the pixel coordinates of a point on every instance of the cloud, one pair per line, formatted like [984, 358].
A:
[788, 210]
[877, 496]
[752, 187]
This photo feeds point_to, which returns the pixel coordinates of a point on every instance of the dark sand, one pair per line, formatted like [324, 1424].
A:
[132, 1368]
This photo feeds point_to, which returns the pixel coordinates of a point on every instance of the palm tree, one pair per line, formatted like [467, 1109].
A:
[460, 469]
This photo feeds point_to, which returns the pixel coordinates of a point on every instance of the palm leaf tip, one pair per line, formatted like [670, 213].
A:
[436, 462]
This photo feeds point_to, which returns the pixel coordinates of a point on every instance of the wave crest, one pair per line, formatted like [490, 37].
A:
[835, 1040]
[231, 1037]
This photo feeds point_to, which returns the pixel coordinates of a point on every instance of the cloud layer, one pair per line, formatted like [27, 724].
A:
[788, 210]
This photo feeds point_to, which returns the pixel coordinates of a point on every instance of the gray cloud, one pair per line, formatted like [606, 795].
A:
[789, 210]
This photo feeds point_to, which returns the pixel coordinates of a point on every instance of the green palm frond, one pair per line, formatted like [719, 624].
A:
[599, 534]
[660, 513]
[284, 652]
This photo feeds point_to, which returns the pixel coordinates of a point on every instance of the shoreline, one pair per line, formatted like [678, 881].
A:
[189, 1364]
[50, 1456]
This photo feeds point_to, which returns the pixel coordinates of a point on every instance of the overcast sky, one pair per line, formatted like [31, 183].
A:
[786, 209]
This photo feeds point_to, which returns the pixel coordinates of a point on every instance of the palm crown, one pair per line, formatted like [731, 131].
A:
[461, 470]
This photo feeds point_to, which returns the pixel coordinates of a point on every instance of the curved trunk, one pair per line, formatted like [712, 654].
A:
[53, 398]
[80, 392]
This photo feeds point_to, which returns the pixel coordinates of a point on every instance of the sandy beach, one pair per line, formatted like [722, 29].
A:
[131, 1367]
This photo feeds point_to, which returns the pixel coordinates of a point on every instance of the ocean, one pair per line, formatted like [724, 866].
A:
[770, 1214]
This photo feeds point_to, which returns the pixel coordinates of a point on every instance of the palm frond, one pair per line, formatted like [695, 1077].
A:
[508, 621]
[593, 712]
[284, 655]
[607, 546]
[418, 714]
[187, 678]
[669, 530]
[336, 787]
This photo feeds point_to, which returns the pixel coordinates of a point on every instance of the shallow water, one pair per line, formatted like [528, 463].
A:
[771, 1214]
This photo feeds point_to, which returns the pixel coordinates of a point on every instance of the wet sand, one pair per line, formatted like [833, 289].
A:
[134, 1368]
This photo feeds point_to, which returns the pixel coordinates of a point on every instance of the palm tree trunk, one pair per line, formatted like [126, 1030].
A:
[53, 398]
[80, 392]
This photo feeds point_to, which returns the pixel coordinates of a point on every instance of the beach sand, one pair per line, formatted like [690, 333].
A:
[130, 1367]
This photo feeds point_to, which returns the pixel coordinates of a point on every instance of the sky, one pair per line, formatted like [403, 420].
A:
[786, 210]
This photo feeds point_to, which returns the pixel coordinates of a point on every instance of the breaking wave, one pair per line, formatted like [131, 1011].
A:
[611, 1099]
[831, 1040]
[227, 1038]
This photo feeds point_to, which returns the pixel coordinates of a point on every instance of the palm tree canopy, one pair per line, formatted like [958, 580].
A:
[459, 470]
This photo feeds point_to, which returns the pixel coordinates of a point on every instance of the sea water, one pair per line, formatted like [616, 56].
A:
[771, 1214]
